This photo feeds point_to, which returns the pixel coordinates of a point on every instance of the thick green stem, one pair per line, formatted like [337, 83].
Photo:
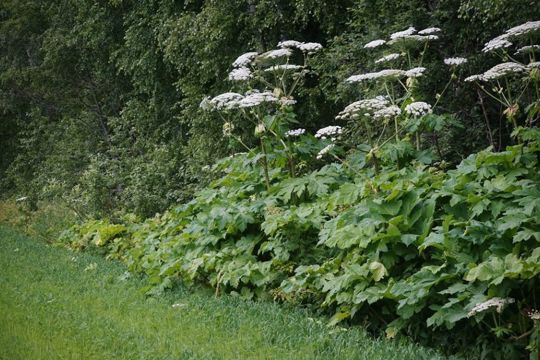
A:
[265, 165]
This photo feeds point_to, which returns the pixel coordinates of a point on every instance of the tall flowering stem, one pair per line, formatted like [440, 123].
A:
[265, 165]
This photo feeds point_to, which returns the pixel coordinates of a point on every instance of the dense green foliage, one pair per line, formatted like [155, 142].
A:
[407, 250]
[57, 304]
[99, 100]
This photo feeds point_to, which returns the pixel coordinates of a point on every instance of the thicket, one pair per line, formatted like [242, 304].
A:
[99, 100]
[366, 221]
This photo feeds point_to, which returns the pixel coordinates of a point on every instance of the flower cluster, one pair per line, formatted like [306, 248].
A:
[277, 53]
[329, 132]
[232, 100]
[387, 113]
[309, 47]
[418, 109]
[388, 57]
[401, 34]
[225, 101]
[283, 67]
[241, 71]
[533, 314]
[383, 74]
[325, 151]
[245, 59]
[499, 42]
[455, 61]
[502, 70]
[430, 31]
[523, 29]
[409, 35]
[240, 74]
[374, 44]
[295, 133]
[415, 72]
[256, 98]
[496, 302]
[473, 78]
[291, 44]
[527, 49]
[285, 101]
[502, 41]
[363, 107]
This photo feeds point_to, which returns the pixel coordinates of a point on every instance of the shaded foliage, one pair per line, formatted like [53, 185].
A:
[99, 100]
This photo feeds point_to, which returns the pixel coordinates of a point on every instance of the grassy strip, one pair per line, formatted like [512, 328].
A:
[55, 304]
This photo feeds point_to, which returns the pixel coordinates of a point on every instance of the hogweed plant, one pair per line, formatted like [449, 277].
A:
[398, 112]
[269, 81]
[514, 83]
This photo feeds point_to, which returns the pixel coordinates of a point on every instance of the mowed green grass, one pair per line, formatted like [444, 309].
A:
[52, 308]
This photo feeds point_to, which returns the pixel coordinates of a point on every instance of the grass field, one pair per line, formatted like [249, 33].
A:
[56, 304]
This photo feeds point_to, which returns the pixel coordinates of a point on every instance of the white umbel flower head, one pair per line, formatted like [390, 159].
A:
[389, 112]
[290, 44]
[502, 70]
[310, 47]
[496, 302]
[325, 151]
[388, 57]
[283, 67]
[245, 59]
[383, 74]
[534, 65]
[418, 109]
[374, 44]
[257, 98]
[329, 132]
[533, 314]
[527, 49]
[500, 42]
[415, 72]
[474, 78]
[362, 107]
[285, 101]
[455, 61]
[295, 132]
[523, 29]
[240, 74]
[430, 31]
[401, 34]
[413, 40]
[225, 101]
[276, 54]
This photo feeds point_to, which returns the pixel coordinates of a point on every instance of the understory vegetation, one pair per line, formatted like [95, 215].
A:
[386, 175]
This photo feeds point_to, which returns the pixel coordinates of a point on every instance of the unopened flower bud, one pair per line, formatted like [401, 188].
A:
[228, 128]
[260, 130]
